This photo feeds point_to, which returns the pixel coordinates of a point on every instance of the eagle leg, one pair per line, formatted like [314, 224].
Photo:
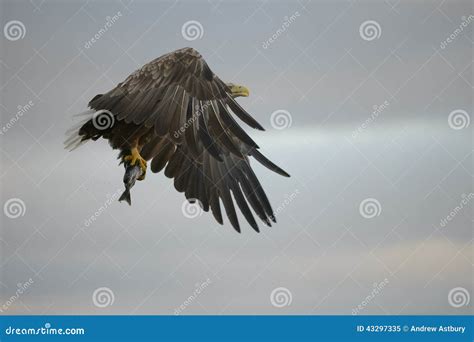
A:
[135, 158]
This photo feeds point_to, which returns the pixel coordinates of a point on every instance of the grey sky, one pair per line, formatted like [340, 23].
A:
[320, 70]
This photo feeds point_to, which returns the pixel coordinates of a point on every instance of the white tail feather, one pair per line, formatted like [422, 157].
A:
[74, 140]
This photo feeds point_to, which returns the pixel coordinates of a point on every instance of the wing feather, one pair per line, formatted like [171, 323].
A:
[207, 140]
[162, 157]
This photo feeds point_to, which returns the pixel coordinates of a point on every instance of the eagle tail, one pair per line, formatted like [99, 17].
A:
[89, 128]
[74, 137]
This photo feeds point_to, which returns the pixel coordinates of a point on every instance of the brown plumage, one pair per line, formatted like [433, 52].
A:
[177, 113]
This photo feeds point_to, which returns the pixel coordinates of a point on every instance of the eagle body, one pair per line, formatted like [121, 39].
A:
[122, 136]
[175, 113]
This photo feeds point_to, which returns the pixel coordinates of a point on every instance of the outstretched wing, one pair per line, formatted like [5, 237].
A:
[218, 173]
[196, 136]
[211, 181]
[158, 94]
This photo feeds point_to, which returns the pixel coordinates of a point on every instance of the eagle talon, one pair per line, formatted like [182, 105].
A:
[142, 177]
[135, 158]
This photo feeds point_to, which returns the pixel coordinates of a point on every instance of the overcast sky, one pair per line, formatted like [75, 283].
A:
[374, 101]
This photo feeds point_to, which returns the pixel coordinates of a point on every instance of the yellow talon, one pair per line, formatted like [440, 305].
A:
[135, 158]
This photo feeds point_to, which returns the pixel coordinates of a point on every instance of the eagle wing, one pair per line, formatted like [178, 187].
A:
[195, 135]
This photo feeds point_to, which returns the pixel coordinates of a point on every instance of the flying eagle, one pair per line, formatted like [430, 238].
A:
[176, 113]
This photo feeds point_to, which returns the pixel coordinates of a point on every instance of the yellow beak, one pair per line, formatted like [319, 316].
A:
[238, 90]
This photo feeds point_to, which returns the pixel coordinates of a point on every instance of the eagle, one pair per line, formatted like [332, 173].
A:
[177, 115]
